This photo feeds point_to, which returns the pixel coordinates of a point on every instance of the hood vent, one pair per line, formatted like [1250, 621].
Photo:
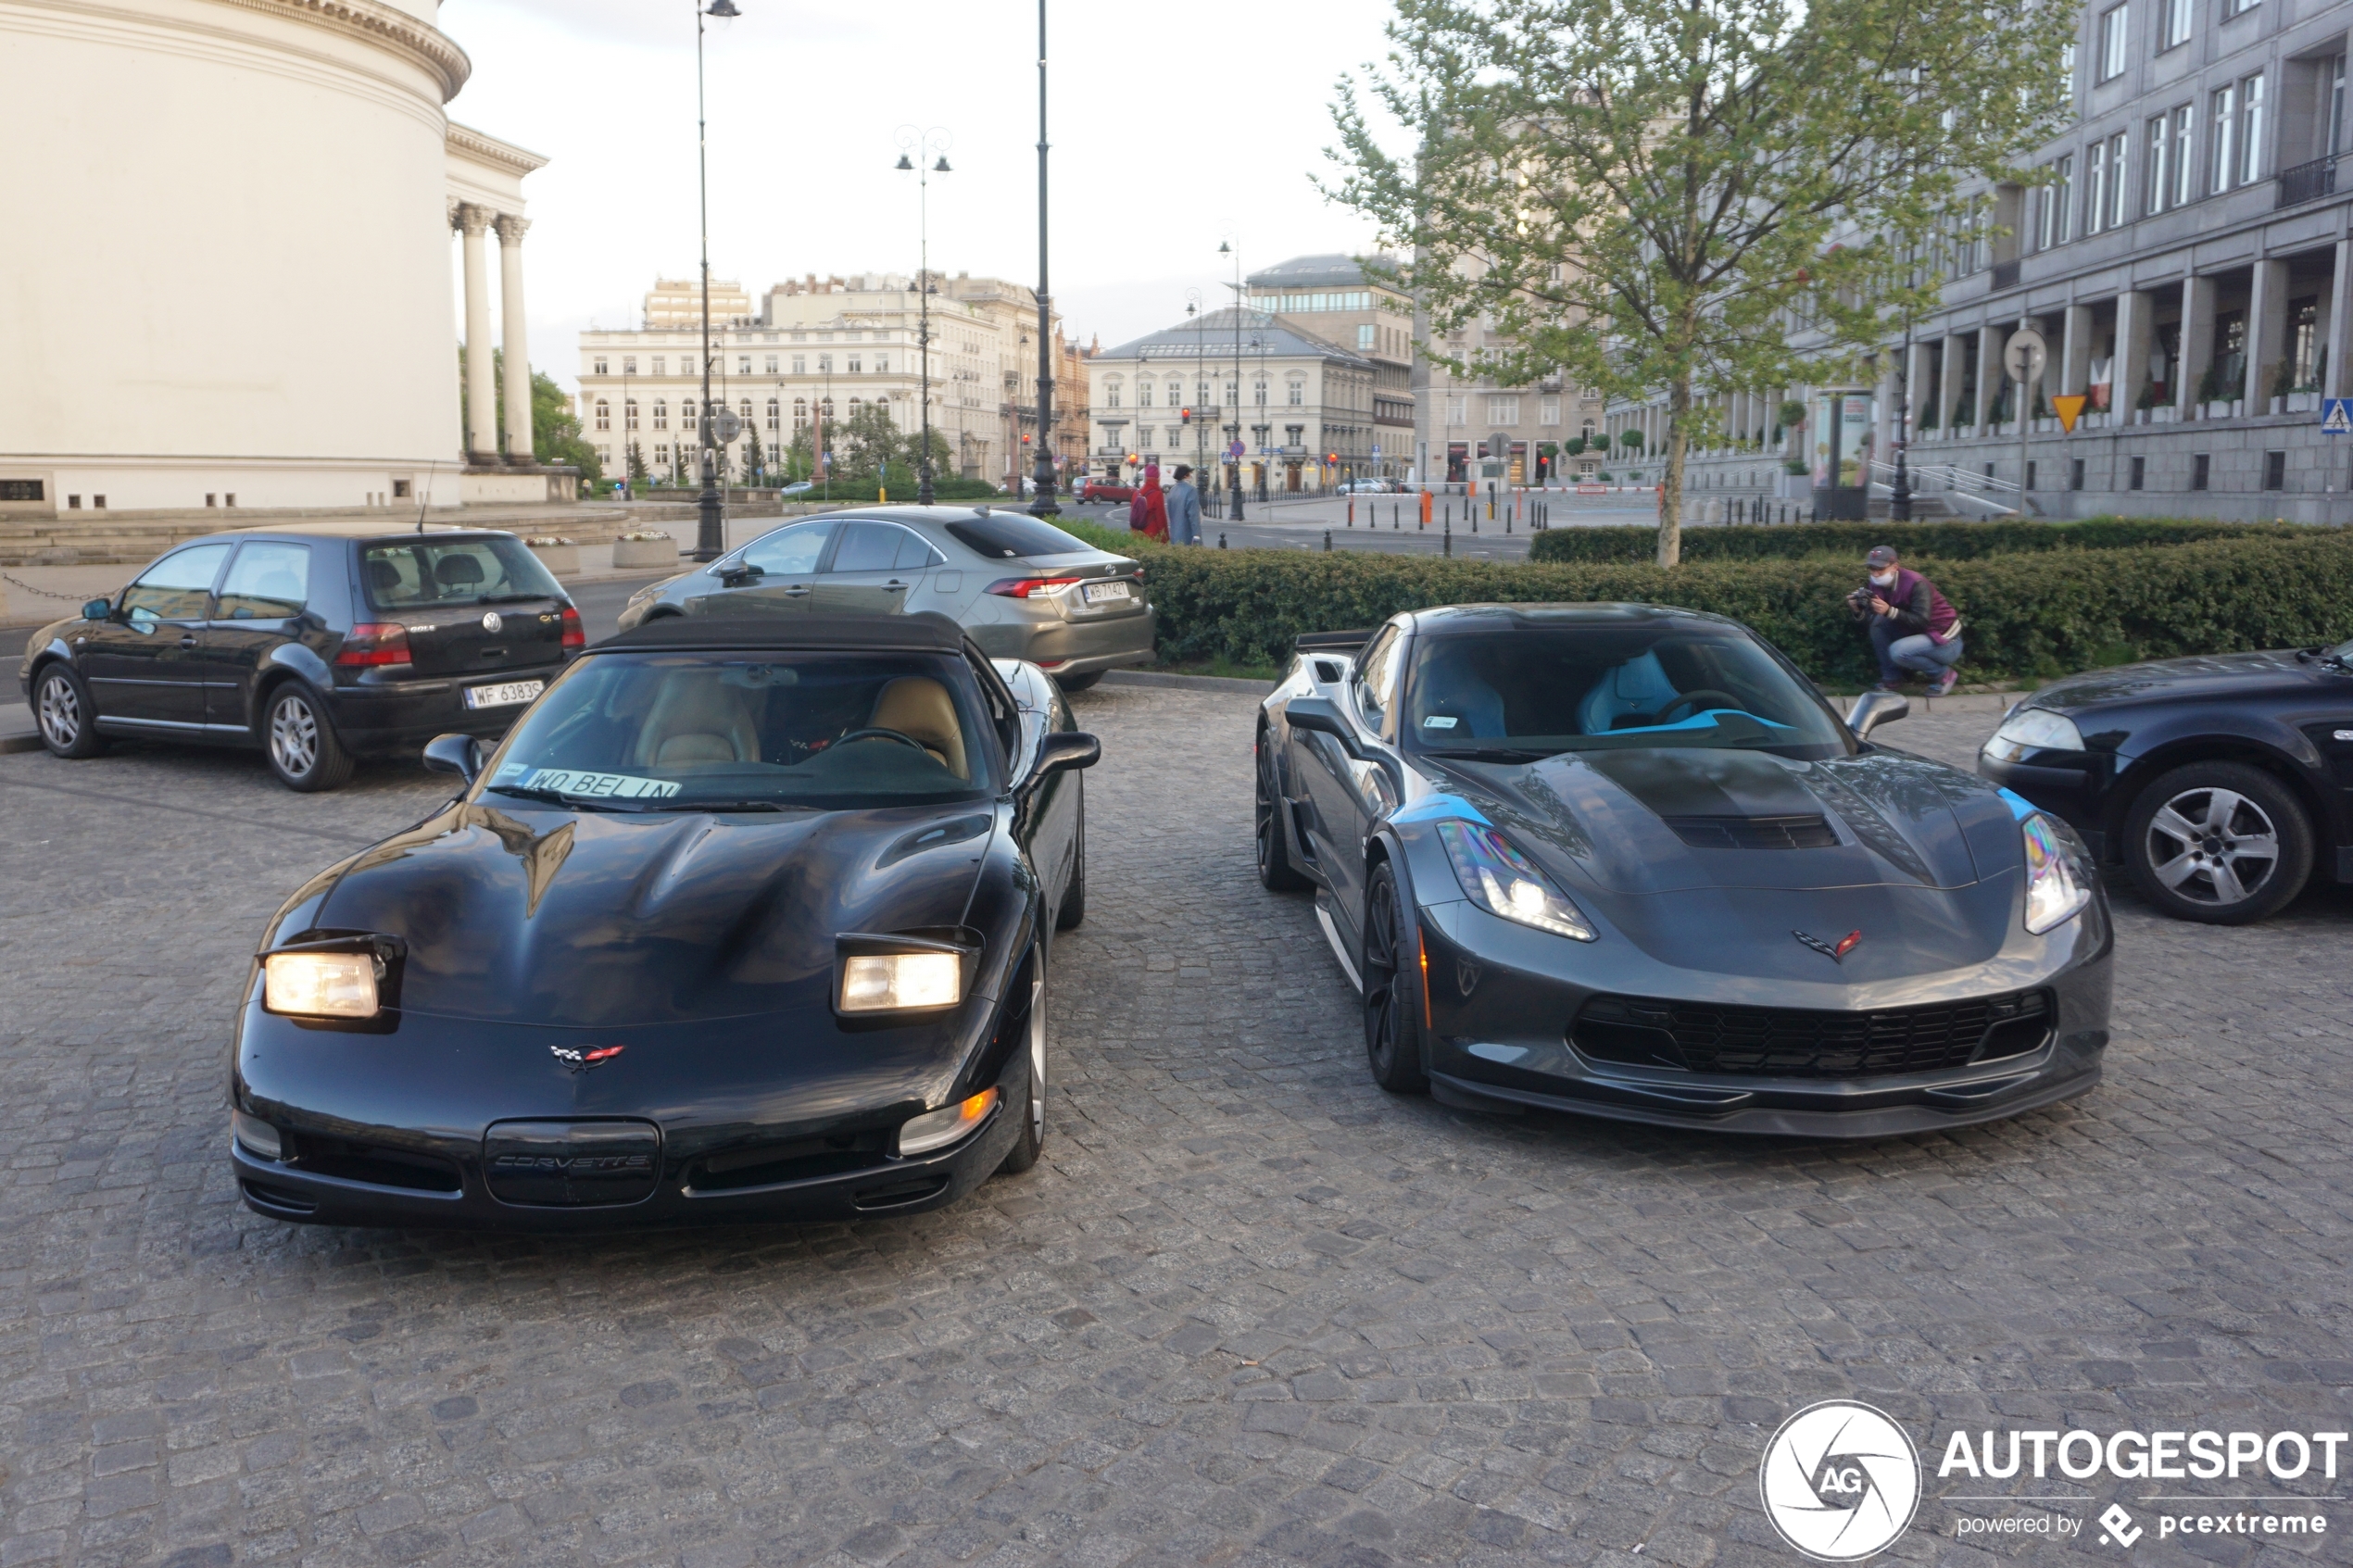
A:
[1755, 832]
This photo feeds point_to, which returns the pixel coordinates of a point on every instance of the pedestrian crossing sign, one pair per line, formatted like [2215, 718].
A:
[2337, 415]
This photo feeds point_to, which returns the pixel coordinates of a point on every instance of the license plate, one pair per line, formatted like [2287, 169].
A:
[504, 695]
[1104, 593]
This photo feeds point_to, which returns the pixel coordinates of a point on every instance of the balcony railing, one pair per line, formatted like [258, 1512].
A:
[2307, 181]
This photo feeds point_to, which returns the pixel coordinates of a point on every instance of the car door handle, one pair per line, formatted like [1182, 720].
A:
[187, 639]
[894, 587]
[801, 591]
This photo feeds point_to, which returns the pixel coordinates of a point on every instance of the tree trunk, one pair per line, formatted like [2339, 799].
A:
[1670, 481]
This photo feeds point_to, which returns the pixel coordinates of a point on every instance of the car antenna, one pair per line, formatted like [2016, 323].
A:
[425, 495]
[982, 508]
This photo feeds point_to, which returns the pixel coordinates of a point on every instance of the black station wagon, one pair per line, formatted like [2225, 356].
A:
[320, 644]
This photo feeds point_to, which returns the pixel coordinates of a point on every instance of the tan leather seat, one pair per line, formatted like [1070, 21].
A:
[920, 709]
[697, 718]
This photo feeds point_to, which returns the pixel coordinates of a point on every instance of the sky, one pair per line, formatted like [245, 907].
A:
[1171, 131]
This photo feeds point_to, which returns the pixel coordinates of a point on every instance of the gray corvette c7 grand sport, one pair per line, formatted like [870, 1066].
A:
[1623, 860]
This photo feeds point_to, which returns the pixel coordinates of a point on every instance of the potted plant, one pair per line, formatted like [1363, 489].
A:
[557, 554]
[644, 548]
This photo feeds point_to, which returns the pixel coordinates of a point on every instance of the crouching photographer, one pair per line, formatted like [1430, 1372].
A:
[1913, 629]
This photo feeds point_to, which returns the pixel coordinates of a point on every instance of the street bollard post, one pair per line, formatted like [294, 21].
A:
[1327, 541]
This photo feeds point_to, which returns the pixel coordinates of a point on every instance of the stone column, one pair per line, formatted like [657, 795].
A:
[2338, 336]
[1919, 390]
[1957, 352]
[2196, 353]
[2135, 322]
[510, 318]
[482, 381]
[2266, 332]
[1989, 373]
[2075, 349]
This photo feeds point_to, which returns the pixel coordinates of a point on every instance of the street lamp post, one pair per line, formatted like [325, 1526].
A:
[1234, 465]
[934, 142]
[710, 530]
[1899, 497]
[1044, 481]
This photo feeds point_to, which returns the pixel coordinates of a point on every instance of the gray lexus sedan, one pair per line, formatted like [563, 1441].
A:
[1022, 588]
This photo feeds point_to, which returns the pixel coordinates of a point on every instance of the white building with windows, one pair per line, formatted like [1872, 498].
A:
[1338, 299]
[219, 181]
[1304, 410]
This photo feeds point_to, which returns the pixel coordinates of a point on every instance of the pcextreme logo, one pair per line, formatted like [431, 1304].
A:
[1840, 1481]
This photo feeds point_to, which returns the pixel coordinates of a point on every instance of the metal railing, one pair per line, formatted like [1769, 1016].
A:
[1950, 480]
[2307, 181]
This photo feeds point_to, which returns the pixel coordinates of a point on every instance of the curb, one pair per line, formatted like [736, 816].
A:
[1186, 682]
[11, 745]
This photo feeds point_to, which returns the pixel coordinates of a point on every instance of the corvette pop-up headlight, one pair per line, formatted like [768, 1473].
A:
[2033, 729]
[2056, 889]
[321, 985]
[1502, 881]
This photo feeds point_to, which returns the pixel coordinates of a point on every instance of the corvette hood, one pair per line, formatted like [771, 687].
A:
[1664, 820]
[610, 918]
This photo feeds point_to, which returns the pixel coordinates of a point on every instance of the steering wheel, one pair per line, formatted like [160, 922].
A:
[1694, 701]
[904, 738]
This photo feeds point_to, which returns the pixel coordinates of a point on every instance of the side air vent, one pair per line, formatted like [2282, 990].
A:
[1755, 832]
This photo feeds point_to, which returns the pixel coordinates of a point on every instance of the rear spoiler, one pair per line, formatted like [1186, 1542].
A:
[1333, 642]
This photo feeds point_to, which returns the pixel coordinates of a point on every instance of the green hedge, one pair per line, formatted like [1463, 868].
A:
[2028, 616]
[1932, 541]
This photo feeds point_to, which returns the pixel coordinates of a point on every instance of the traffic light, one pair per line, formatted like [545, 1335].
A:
[1025, 440]
[1331, 459]
[1185, 416]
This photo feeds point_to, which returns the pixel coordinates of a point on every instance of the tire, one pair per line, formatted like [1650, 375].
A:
[1032, 1141]
[1275, 873]
[63, 712]
[300, 741]
[1392, 989]
[2220, 843]
[1078, 683]
[1073, 905]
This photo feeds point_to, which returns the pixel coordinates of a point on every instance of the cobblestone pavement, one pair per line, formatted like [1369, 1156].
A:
[1250, 1309]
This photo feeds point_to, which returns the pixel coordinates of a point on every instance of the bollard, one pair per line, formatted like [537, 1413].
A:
[1327, 541]
[1490, 512]
[1221, 541]
[1351, 511]
[1446, 546]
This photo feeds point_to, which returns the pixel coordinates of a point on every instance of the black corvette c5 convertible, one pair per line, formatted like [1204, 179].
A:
[744, 920]
[1623, 860]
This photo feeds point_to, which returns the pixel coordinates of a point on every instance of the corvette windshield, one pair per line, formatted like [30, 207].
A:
[1509, 695]
[670, 731]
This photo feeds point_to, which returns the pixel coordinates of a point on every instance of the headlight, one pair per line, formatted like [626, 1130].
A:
[899, 982]
[648, 591]
[2033, 728]
[2056, 890]
[259, 1137]
[1499, 879]
[320, 984]
[937, 1129]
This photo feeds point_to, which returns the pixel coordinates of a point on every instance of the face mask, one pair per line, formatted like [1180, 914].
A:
[1881, 580]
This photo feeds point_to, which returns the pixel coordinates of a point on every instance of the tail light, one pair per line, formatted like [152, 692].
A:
[574, 636]
[1023, 587]
[375, 641]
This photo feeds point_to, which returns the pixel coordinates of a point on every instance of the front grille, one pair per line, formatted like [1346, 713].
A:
[802, 1159]
[1795, 1043]
[377, 1166]
[1755, 832]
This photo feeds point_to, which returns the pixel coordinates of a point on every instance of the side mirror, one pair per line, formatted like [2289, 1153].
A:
[461, 754]
[1874, 709]
[97, 609]
[1066, 749]
[1318, 714]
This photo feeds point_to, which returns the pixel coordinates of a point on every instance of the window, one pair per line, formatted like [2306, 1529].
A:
[2075, 474]
[1375, 680]
[2112, 42]
[775, 416]
[799, 413]
[1548, 412]
[1458, 410]
[825, 364]
[2095, 188]
[1143, 395]
[801, 364]
[771, 364]
[686, 413]
[857, 365]
[629, 364]
[659, 364]
[178, 588]
[2226, 119]
[2335, 78]
[2303, 344]
[2201, 470]
[1297, 393]
[629, 414]
[1258, 391]
[604, 414]
[2237, 7]
[1503, 410]
[1111, 395]
[2184, 128]
[743, 412]
[743, 364]
[600, 367]
[2250, 129]
[882, 364]
[269, 581]
[2139, 474]
[2275, 470]
[2063, 200]
[2119, 194]
[2173, 23]
[661, 414]
[1364, 335]
[2066, 70]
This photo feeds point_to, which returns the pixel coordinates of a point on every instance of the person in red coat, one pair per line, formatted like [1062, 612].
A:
[1148, 514]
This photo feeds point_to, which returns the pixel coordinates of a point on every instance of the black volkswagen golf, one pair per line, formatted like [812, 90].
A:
[320, 644]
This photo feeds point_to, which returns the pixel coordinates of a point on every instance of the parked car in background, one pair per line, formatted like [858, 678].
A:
[2222, 782]
[318, 643]
[1022, 588]
[1103, 490]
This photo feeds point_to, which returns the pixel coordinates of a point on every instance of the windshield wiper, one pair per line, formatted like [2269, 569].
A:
[673, 805]
[1491, 753]
[557, 797]
[507, 598]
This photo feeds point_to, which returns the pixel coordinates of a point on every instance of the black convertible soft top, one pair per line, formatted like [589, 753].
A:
[922, 632]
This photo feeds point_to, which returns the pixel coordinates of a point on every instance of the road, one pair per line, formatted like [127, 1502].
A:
[1248, 1309]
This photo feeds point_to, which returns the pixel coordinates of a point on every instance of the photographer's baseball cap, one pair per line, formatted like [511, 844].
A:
[1881, 555]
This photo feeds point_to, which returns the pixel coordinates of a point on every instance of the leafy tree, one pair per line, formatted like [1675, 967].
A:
[1663, 194]
[1573, 445]
[755, 456]
[636, 462]
[1630, 439]
[865, 442]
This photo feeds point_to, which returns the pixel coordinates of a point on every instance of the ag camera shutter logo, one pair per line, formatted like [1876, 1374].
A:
[1840, 1481]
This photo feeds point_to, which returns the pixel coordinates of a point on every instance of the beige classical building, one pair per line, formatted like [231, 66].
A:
[1336, 299]
[821, 347]
[230, 267]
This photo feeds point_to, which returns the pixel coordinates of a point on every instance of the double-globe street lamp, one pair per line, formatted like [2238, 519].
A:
[913, 146]
[1233, 462]
[1043, 483]
[711, 531]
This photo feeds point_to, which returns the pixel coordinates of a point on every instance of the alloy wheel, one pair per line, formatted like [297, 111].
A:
[1038, 1057]
[2213, 845]
[294, 736]
[60, 713]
